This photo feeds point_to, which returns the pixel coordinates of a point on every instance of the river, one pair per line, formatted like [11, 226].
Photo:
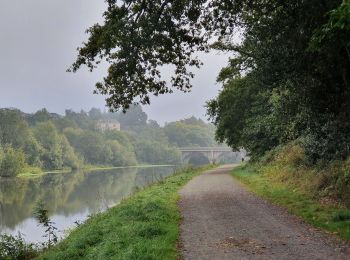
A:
[69, 197]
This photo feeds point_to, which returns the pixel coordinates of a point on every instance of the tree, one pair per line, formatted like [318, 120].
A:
[51, 141]
[140, 36]
[133, 119]
[121, 155]
[243, 118]
[70, 157]
[91, 145]
[153, 124]
[81, 119]
[296, 72]
[13, 128]
[95, 113]
[40, 116]
[184, 133]
[14, 131]
[155, 153]
[64, 122]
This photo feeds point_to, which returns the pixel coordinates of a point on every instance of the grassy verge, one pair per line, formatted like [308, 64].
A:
[144, 226]
[333, 218]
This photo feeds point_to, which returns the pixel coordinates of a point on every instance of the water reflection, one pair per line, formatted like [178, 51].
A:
[69, 197]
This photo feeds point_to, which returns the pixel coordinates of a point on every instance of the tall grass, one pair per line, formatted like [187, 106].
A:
[328, 181]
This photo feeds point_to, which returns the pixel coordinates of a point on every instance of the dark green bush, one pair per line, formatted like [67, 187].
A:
[15, 248]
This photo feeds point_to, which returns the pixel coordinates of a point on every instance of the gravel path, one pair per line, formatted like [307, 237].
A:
[221, 220]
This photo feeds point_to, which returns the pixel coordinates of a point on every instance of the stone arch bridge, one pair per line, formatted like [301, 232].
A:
[211, 153]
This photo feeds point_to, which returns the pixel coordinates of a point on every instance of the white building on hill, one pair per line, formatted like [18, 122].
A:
[107, 125]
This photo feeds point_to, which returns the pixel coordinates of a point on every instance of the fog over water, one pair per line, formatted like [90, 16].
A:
[38, 43]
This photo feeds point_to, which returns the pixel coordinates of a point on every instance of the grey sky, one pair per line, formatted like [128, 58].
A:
[38, 40]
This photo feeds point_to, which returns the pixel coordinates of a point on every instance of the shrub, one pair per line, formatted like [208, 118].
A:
[14, 247]
[12, 162]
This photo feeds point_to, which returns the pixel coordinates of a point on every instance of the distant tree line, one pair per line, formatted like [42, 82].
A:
[48, 141]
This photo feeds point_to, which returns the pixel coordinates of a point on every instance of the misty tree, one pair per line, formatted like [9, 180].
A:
[95, 113]
[134, 119]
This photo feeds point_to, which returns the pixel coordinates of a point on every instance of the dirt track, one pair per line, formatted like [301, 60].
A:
[221, 220]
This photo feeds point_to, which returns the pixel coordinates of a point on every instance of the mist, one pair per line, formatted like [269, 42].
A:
[38, 43]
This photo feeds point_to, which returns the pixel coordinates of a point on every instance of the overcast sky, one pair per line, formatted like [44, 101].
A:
[38, 41]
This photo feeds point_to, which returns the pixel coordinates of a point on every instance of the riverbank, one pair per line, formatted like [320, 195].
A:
[146, 224]
[34, 172]
[322, 213]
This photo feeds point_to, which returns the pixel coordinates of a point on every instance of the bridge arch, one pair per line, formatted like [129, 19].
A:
[196, 159]
[211, 153]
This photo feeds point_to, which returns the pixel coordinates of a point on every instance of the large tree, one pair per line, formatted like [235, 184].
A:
[138, 37]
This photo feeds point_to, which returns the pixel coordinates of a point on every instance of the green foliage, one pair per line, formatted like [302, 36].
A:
[53, 142]
[12, 161]
[47, 135]
[13, 128]
[15, 131]
[64, 122]
[40, 116]
[133, 119]
[41, 214]
[190, 132]
[288, 79]
[238, 114]
[154, 152]
[137, 38]
[15, 248]
[69, 157]
[335, 31]
[121, 155]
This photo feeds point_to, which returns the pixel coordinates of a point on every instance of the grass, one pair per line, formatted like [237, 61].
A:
[144, 226]
[99, 168]
[33, 172]
[30, 171]
[37, 172]
[332, 218]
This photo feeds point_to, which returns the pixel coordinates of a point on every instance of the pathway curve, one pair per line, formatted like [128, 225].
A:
[221, 220]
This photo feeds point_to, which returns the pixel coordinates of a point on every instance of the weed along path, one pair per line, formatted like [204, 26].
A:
[221, 220]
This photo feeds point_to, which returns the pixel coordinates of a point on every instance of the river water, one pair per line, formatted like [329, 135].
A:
[69, 197]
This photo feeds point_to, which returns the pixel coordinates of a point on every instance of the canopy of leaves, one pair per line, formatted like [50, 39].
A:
[288, 79]
[138, 37]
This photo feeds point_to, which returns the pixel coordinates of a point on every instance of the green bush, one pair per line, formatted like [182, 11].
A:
[14, 247]
[12, 162]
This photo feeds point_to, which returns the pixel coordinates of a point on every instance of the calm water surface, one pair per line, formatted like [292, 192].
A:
[69, 197]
